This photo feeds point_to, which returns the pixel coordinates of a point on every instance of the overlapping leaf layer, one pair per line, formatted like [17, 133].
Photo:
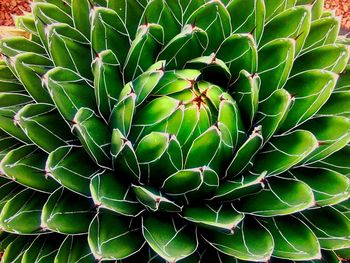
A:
[187, 131]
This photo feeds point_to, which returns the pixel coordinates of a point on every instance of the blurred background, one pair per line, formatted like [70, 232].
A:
[17, 7]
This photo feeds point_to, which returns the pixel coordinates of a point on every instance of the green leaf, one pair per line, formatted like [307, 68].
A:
[190, 43]
[337, 105]
[275, 64]
[95, 136]
[44, 126]
[124, 156]
[170, 239]
[317, 7]
[81, 16]
[21, 214]
[109, 32]
[144, 50]
[337, 161]
[280, 197]
[247, 16]
[153, 199]
[64, 209]
[195, 181]
[74, 249]
[66, 47]
[8, 125]
[293, 23]
[203, 148]
[232, 190]
[15, 250]
[43, 249]
[310, 90]
[159, 155]
[13, 46]
[119, 242]
[245, 154]
[331, 227]
[332, 133]
[215, 20]
[69, 92]
[8, 99]
[285, 151]
[222, 217]
[243, 57]
[333, 57]
[246, 93]
[108, 81]
[26, 165]
[323, 31]
[72, 167]
[109, 192]
[8, 191]
[30, 68]
[250, 241]
[319, 179]
[275, 7]
[293, 239]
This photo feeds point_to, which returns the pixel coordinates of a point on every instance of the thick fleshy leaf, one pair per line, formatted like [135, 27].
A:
[69, 92]
[331, 227]
[309, 91]
[43, 249]
[275, 7]
[222, 217]
[144, 50]
[124, 156]
[250, 241]
[44, 126]
[66, 44]
[15, 250]
[75, 249]
[95, 136]
[243, 57]
[159, 155]
[13, 46]
[246, 93]
[275, 64]
[293, 239]
[109, 32]
[153, 200]
[21, 214]
[332, 133]
[337, 104]
[232, 190]
[323, 31]
[72, 167]
[215, 20]
[190, 43]
[119, 242]
[81, 16]
[108, 191]
[7, 191]
[285, 151]
[338, 161]
[319, 179]
[171, 239]
[280, 197]
[64, 209]
[243, 158]
[108, 81]
[26, 165]
[30, 68]
[293, 23]
[247, 16]
[333, 57]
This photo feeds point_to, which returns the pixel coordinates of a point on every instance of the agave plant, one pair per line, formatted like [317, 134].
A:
[175, 131]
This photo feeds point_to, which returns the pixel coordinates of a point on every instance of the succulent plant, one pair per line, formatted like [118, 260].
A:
[186, 131]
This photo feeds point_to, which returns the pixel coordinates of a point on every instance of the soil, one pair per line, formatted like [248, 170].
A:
[16, 7]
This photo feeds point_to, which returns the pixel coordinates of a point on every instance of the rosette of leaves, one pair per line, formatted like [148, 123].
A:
[175, 131]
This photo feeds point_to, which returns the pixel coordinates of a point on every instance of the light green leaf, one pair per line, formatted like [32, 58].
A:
[81, 16]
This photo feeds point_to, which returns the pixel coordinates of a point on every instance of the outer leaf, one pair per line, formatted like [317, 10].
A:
[338, 161]
[337, 105]
[63, 209]
[115, 243]
[72, 167]
[250, 241]
[281, 197]
[284, 152]
[275, 7]
[75, 249]
[15, 250]
[174, 242]
[293, 239]
[81, 16]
